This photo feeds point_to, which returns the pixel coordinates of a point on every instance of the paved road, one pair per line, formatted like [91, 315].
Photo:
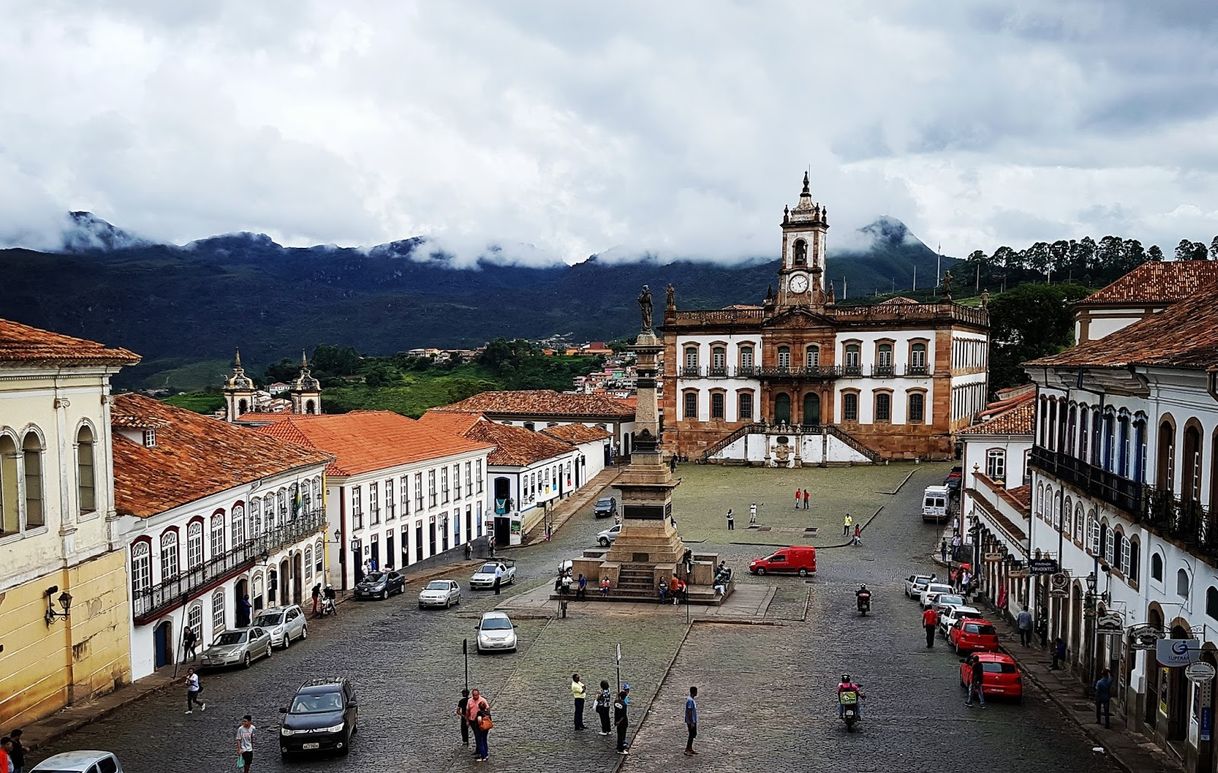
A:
[766, 691]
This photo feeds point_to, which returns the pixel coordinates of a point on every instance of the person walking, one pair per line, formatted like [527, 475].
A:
[930, 621]
[847, 522]
[799, 497]
[731, 520]
[858, 535]
[621, 721]
[462, 703]
[190, 644]
[943, 550]
[1103, 698]
[16, 752]
[976, 682]
[579, 691]
[604, 700]
[1059, 653]
[316, 593]
[753, 514]
[498, 578]
[691, 720]
[806, 498]
[245, 743]
[193, 688]
[6, 759]
[1023, 621]
[478, 712]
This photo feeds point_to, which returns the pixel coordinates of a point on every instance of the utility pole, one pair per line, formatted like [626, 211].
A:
[915, 287]
[939, 265]
[977, 285]
[843, 288]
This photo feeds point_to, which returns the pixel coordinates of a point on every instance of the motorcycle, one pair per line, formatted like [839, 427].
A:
[327, 608]
[849, 700]
[863, 601]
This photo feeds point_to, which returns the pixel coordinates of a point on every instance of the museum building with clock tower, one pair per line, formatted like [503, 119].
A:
[799, 380]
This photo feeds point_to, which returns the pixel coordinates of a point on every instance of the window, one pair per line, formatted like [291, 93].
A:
[883, 407]
[746, 356]
[1093, 534]
[469, 479]
[917, 356]
[917, 407]
[86, 492]
[308, 562]
[217, 535]
[374, 503]
[283, 509]
[1110, 539]
[169, 556]
[194, 544]
[1182, 583]
[718, 359]
[850, 406]
[317, 557]
[812, 356]
[238, 526]
[390, 501]
[1131, 565]
[150, 438]
[691, 405]
[784, 356]
[418, 491]
[800, 253]
[194, 620]
[10, 511]
[217, 612]
[744, 405]
[883, 357]
[431, 488]
[717, 400]
[31, 451]
[141, 567]
[853, 356]
[691, 357]
[1122, 549]
[1078, 524]
[478, 473]
[1156, 567]
[444, 485]
[405, 489]
[357, 507]
[1211, 602]
[996, 464]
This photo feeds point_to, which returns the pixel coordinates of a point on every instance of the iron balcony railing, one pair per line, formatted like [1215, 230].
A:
[1120, 492]
[151, 601]
[803, 371]
[1183, 520]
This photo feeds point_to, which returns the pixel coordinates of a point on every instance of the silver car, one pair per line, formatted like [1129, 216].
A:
[440, 593]
[80, 762]
[496, 633]
[283, 624]
[242, 645]
[607, 537]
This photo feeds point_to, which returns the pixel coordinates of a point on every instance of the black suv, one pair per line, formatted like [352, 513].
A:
[322, 717]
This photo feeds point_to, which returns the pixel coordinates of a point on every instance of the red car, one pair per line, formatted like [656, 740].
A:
[1001, 676]
[973, 634]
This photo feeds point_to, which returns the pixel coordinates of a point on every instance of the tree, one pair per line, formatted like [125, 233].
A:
[1214, 249]
[336, 360]
[1027, 322]
[1154, 253]
[1188, 250]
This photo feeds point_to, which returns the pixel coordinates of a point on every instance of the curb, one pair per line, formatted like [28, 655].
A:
[900, 485]
[622, 759]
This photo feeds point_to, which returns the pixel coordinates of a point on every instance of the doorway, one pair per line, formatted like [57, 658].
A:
[285, 570]
[241, 590]
[811, 409]
[376, 553]
[162, 644]
[297, 578]
[389, 550]
[782, 408]
[503, 530]
[503, 494]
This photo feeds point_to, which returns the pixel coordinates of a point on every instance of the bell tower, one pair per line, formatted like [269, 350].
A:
[801, 279]
[306, 391]
[238, 391]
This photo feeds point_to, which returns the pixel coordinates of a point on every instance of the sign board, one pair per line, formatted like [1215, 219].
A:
[1017, 574]
[993, 557]
[1144, 636]
[1199, 671]
[1110, 625]
[1174, 653]
[1042, 566]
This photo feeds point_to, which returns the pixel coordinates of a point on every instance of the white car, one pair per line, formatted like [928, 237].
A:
[283, 624]
[916, 583]
[440, 593]
[948, 617]
[80, 762]
[945, 601]
[496, 633]
[932, 591]
[606, 537]
[485, 576]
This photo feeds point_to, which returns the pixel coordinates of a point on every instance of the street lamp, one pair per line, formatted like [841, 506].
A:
[65, 601]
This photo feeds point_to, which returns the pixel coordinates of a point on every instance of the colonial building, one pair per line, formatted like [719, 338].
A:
[64, 613]
[397, 492]
[246, 404]
[215, 517]
[800, 379]
[1148, 289]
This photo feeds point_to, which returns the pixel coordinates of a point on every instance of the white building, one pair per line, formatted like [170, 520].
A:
[219, 522]
[397, 492]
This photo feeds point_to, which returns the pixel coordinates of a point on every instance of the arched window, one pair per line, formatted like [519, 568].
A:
[31, 452]
[691, 357]
[1120, 550]
[917, 407]
[169, 556]
[255, 519]
[801, 253]
[853, 356]
[1093, 534]
[1167, 457]
[194, 544]
[1156, 567]
[883, 407]
[1211, 602]
[691, 404]
[746, 357]
[194, 619]
[1190, 480]
[1132, 570]
[812, 356]
[1105, 542]
[217, 535]
[850, 406]
[141, 567]
[883, 357]
[1068, 509]
[217, 612]
[1109, 545]
[1078, 524]
[1040, 501]
[10, 510]
[917, 357]
[86, 492]
[718, 360]
[1182, 583]
[317, 555]
[784, 356]
[238, 526]
[308, 563]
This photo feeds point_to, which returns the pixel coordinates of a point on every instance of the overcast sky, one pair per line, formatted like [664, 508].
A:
[673, 128]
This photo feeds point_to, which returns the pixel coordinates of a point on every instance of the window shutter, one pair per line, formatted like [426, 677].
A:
[1125, 562]
[1094, 539]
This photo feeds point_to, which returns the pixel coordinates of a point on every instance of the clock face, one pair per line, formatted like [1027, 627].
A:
[799, 283]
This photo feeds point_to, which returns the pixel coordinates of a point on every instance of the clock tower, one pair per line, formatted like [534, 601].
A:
[801, 280]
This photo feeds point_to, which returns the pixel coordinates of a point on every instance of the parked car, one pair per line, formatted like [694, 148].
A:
[916, 583]
[945, 601]
[1000, 675]
[283, 624]
[949, 616]
[322, 717]
[496, 633]
[606, 537]
[242, 645]
[606, 507]
[485, 576]
[799, 559]
[973, 634]
[936, 501]
[85, 761]
[380, 585]
[440, 593]
[932, 591]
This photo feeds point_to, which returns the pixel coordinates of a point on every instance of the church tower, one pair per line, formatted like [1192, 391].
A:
[238, 391]
[801, 279]
[306, 391]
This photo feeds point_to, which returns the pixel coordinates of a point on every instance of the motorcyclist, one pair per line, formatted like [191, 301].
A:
[848, 685]
[862, 597]
[327, 606]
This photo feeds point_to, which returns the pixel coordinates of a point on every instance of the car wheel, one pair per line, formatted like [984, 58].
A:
[803, 572]
[245, 662]
[270, 649]
[604, 542]
[304, 633]
[347, 746]
[761, 570]
[287, 639]
[384, 594]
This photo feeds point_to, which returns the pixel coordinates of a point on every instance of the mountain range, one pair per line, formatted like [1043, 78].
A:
[177, 304]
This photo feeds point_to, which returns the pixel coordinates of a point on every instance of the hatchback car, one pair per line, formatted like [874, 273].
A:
[916, 583]
[932, 591]
[973, 634]
[606, 537]
[283, 624]
[380, 585]
[85, 761]
[243, 645]
[322, 717]
[605, 507]
[1000, 675]
[440, 593]
[496, 633]
[949, 616]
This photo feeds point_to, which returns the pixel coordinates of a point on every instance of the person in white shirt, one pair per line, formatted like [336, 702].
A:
[245, 742]
[498, 578]
[193, 688]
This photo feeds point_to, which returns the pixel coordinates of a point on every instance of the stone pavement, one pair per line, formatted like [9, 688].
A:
[748, 603]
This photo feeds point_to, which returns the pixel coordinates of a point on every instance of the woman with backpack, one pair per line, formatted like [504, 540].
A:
[604, 700]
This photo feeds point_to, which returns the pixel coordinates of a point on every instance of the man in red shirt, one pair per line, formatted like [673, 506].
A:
[799, 496]
[930, 621]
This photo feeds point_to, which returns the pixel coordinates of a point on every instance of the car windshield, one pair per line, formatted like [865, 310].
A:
[317, 703]
[496, 624]
[373, 578]
[983, 630]
[230, 637]
[437, 585]
[999, 668]
[604, 502]
[946, 599]
[273, 618]
[934, 588]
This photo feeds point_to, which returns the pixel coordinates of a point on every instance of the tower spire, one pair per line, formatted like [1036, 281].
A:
[806, 191]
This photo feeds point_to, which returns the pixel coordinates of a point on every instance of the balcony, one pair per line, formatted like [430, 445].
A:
[146, 604]
[717, 371]
[917, 370]
[884, 370]
[1122, 493]
[1183, 521]
[747, 371]
[690, 371]
[811, 372]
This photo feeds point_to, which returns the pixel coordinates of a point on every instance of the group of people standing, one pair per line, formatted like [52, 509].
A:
[802, 497]
[474, 711]
[605, 704]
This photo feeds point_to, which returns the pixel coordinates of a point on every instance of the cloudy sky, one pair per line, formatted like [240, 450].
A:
[562, 129]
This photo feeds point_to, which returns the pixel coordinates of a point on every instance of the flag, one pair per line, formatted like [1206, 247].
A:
[296, 503]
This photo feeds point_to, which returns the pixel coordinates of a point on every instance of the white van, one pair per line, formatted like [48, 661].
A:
[934, 503]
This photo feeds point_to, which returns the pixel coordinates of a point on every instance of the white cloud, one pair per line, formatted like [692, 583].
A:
[554, 130]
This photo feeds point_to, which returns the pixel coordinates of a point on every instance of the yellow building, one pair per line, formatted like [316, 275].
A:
[64, 609]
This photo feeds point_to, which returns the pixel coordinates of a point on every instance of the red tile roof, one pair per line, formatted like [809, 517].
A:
[363, 441]
[1016, 415]
[452, 422]
[576, 433]
[516, 446]
[545, 403]
[194, 456]
[1157, 284]
[21, 345]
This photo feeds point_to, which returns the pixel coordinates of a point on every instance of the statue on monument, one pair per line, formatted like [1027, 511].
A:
[645, 306]
[947, 285]
[672, 297]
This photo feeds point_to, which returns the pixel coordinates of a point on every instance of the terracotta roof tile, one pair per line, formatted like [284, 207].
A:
[453, 422]
[1014, 416]
[544, 403]
[363, 441]
[21, 344]
[576, 433]
[516, 446]
[1157, 283]
[194, 456]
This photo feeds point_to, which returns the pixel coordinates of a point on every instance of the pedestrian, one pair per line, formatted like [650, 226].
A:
[604, 700]
[478, 712]
[858, 535]
[491, 545]
[621, 721]
[731, 520]
[243, 611]
[691, 720]
[581, 588]
[753, 514]
[799, 497]
[6, 759]
[1103, 698]
[245, 743]
[193, 688]
[1059, 653]
[943, 550]
[579, 691]
[469, 551]
[461, 706]
[976, 682]
[930, 621]
[498, 578]
[847, 522]
[316, 598]
[806, 498]
[605, 585]
[662, 590]
[1023, 621]
[190, 644]
[16, 752]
